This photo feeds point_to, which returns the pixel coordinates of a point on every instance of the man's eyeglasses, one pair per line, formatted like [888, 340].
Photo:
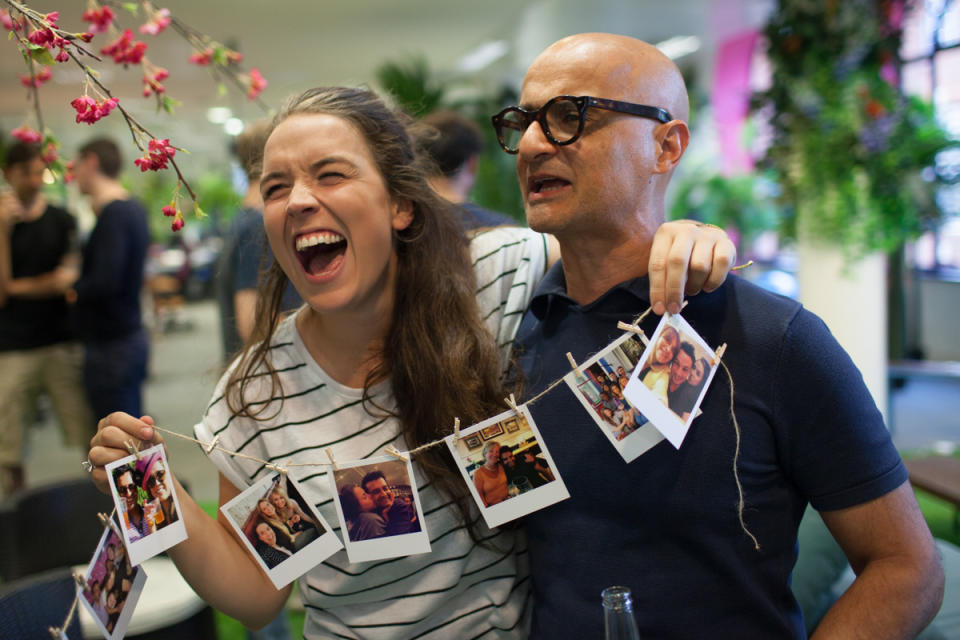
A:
[562, 118]
[126, 489]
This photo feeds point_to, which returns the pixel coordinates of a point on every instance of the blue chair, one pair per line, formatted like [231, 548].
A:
[30, 606]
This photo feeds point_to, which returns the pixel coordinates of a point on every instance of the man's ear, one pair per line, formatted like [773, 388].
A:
[672, 140]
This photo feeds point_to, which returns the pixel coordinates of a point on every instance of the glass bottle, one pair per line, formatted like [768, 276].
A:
[618, 617]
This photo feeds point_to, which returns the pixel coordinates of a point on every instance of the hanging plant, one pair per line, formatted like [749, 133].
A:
[852, 153]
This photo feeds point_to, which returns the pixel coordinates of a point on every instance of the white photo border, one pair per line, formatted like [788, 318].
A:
[136, 588]
[160, 540]
[405, 544]
[523, 504]
[302, 561]
[634, 444]
[666, 421]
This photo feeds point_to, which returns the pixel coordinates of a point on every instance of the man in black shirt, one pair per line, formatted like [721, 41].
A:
[108, 291]
[38, 263]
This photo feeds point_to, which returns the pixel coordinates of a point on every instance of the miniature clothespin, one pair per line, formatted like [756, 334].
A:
[623, 326]
[54, 632]
[279, 468]
[104, 519]
[80, 580]
[573, 363]
[456, 429]
[133, 448]
[512, 403]
[718, 354]
[329, 453]
[212, 444]
[392, 450]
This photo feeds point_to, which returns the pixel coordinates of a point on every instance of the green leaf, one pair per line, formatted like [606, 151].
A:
[132, 7]
[221, 89]
[168, 104]
[42, 55]
[200, 213]
[220, 56]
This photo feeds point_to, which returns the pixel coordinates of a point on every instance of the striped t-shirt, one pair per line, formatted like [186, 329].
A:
[459, 589]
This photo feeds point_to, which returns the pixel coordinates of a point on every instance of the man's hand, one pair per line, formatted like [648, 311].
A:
[687, 257]
[10, 208]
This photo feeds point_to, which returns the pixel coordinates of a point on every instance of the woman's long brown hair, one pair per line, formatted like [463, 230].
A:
[439, 356]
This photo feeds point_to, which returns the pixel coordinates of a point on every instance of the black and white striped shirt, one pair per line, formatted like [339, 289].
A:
[459, 589]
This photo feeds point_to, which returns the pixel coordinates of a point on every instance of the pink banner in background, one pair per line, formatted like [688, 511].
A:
[730, 98]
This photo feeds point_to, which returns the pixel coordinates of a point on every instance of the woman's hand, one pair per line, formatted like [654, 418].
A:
[110, 442]
[687, 257]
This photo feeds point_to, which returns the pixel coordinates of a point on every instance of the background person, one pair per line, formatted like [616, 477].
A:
[271, 552]
[399, 515]
[823, 442]
[454, 145]
[39, 354]
[360, 512]
[107, 312]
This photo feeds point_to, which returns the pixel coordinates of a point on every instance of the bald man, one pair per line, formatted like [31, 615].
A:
[593, 171]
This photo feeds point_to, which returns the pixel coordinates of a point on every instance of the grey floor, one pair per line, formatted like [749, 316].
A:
[185, 366]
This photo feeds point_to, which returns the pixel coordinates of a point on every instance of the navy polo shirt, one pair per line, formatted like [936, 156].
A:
[666, 524]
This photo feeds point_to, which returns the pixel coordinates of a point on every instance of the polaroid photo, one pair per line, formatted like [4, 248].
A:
[599, 385]
[281, 529]
[379, 509]
[112, 585]
[672, 377]
[147, 505]
[512, 474]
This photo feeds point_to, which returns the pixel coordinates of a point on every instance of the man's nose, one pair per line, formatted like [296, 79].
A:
[534, 141]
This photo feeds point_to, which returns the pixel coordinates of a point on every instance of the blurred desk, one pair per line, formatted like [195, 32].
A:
[938, 476]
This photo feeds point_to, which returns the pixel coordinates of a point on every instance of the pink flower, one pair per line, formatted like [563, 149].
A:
[170, 210]
[125, 50]
[38, 79]
[257, 84]
[42, 37]
[51, 18]
[159, 22]
[68, 175]
[89, 110]
[62, 56]
[26, 134]
[151, 81]
[7, 21]
[86, 36]
[177, 223]
[158, 156]
[202, 58]
[99, 19]
[50, 154]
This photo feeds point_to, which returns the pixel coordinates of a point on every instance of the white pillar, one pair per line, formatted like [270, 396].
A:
[852, 300]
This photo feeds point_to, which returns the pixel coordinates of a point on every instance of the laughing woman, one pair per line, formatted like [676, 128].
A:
[404, 327]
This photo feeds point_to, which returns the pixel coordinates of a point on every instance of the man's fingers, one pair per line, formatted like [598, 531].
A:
[724, 257]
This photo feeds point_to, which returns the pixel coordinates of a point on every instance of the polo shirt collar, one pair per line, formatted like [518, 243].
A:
[552, 291]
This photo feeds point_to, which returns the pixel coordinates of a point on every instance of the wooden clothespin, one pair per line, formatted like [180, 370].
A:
[209, 447]
[329, 453]
[279, 468]
[573, 363]
[392, 450]
[54, 632]
[512, 403]
[623, 326]
[456, 430]
[80, 580]
[718, 354]
[133, 448]
[104, 519]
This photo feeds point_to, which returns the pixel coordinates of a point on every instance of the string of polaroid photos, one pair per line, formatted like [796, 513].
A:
[283, 468]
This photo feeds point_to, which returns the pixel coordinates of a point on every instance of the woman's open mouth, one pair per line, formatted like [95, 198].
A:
[320, 252]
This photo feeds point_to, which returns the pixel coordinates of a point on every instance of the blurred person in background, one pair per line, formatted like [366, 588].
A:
[455, 150]
[107, 295]
[39, 262]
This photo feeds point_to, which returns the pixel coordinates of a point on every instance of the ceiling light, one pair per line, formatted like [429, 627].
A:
[679, 46]
[218, 115]
[233, 126]
[483, 56]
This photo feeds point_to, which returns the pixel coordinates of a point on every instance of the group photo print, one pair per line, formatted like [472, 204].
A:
[111, 585]
[507, 467]
[280, 528]
[599, 383]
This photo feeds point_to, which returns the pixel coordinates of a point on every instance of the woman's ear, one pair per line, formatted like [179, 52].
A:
[402, 214]
[672, 140]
